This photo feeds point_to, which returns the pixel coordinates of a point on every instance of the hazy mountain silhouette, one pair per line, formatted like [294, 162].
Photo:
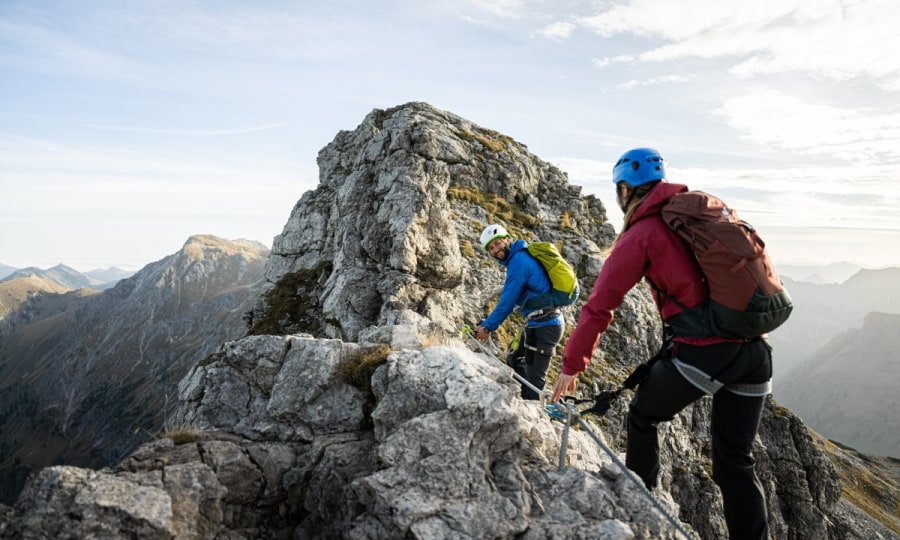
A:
[823, 311]
[109, 275]
[6, 270]
[836, 359]
[830, 273]
[848, 390]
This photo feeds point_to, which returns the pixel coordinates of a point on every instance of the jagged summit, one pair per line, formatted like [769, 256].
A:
[391, 231]
[201, 245]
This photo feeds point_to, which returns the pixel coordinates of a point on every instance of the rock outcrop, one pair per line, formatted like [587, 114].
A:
[297, 437]
[391, 231]
[449, 451]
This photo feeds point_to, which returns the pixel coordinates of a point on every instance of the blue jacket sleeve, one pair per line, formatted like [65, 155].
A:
[516, 280]
[515, 289]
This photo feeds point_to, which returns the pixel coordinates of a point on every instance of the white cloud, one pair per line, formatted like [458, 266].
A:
[835, 39]
[620, 59]
[653, 81]
[771, 118]
[802, 194]
[557, 31]
[203, 103]
[500, 8]
[681, 20]
[189, 132]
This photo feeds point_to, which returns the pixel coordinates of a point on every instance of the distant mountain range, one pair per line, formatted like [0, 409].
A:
[67, 277]
[6, 270]
[823, 311]
[848, 390]
[836, 359]
[830, 273]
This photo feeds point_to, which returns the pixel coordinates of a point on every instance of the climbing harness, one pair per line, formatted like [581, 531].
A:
[540, 315]
[563, 410]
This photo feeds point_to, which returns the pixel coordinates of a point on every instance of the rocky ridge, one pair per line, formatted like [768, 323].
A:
[352, 411]
[284, 441]
[391, 231]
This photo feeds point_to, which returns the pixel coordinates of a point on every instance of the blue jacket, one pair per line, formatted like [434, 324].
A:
[525, 279]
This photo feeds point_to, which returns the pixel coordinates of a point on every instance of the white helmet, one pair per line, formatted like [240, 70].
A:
[492, 232]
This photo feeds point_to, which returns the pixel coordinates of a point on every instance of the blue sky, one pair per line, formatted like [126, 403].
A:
[126, 127]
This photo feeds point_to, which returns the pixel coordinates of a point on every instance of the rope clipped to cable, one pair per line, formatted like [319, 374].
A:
[603, 400]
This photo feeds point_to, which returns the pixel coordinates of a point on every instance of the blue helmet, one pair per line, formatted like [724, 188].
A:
[639, 166]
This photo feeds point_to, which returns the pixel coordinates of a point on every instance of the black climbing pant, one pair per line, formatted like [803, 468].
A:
[734, 424]
[531, 360]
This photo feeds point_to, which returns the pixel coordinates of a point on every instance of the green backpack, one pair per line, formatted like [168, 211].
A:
[562, 278]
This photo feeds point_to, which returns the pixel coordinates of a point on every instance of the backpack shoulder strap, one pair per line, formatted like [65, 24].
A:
[661, 293]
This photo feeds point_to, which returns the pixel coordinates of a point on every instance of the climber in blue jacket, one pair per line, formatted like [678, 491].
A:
[525, 279]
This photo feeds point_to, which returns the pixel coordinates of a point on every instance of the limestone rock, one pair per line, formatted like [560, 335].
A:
[394, 223]
[71, 503]
[451, 451]
[448, 450]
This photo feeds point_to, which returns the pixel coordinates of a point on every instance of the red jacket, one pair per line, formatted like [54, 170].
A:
[648, 248]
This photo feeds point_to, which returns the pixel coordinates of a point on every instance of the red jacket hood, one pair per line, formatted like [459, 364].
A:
[656, 199]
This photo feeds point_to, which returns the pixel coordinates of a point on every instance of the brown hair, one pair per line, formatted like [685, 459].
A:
[640, 193]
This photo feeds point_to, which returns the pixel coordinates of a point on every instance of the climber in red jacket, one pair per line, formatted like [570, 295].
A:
[737, 372]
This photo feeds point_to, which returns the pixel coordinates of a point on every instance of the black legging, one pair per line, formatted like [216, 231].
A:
[734, 424]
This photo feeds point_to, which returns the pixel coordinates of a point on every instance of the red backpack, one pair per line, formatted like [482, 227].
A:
[746, 296]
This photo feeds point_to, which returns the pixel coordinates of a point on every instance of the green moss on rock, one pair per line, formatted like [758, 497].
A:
[293, 305]
[498, 209]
